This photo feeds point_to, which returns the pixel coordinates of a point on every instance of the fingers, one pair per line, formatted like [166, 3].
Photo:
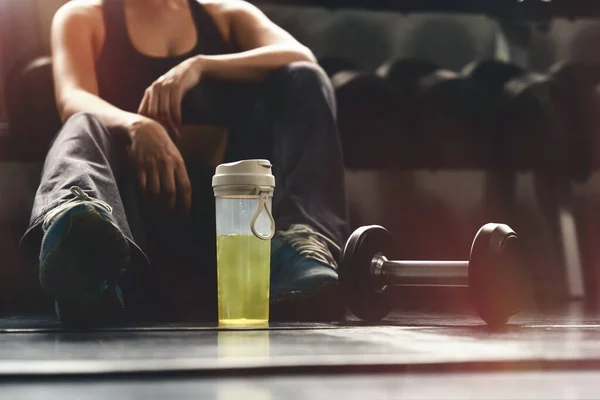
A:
[160, 169]
[162, 102]
[164, 107]
[184, 187]
[176, 106]
[150, 102]
[153, 99]
[148, 180]
[163, 182]
[153, 179]
[142, 179]
[167, 181]
[166, 97]
[143, 108]
[175, 113]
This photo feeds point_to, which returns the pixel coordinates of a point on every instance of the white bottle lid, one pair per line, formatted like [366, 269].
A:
[248, 177]
[245, 173]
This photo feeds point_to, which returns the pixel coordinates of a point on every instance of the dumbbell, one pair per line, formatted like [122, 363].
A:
[528, 122]
[437, 90]
[332, 65]
[404, 76]
[450, 112]
[490, 274]
[549, 118]
[492, 74]
[576, 96]
[366, 118]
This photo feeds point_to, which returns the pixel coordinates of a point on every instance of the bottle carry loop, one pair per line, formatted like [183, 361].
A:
[265, 192]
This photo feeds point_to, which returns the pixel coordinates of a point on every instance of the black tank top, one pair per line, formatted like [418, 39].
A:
[123, 73]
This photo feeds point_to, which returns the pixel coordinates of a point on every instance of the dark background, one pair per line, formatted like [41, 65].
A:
[432, 213]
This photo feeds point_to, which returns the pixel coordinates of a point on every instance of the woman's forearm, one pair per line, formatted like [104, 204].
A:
[251, 65]
[77, 101]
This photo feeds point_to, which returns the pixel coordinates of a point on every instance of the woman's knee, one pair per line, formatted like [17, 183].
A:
[304, 78]
[81, 119]
[304, 70]
[84, 122]
[88, 133]
[86, 125]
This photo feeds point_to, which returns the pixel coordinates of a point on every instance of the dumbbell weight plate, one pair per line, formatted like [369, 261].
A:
[529, 123]
[445, 91]
[457, 118]
[492, 74]
[366, 108]
[333, 65]
[493, 268]
[574, 90]
[404, 74]
[366, 298]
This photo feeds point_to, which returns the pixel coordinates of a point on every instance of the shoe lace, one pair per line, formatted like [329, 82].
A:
[310, 243]
[80, 196]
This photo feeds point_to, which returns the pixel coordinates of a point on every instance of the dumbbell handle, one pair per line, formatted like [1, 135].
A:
[421, 273]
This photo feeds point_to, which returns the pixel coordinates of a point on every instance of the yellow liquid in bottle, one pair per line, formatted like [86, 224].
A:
[243, 270]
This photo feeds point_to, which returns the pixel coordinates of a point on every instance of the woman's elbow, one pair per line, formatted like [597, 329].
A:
[305, 54]
[61, 108]
[296, 52]
[64, 108]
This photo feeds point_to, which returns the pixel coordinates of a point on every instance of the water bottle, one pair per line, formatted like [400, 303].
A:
[245, 225]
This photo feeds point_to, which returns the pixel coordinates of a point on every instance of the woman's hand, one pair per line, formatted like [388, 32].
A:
[162, 100]
[161, 170]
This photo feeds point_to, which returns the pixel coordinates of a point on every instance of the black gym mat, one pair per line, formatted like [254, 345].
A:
[49, 323]
[42, 348]
[405, 319]
[457, 386]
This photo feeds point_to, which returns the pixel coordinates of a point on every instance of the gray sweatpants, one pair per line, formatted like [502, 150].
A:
[289, 119]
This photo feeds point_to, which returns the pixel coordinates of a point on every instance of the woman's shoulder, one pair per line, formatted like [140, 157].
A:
[89, 11]
[220, 11]
[226, 6]
[82, 18]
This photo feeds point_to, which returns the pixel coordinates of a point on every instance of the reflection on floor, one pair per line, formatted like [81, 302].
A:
[412, 355]
[455, 386]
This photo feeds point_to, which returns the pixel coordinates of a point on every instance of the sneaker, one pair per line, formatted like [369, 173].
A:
[304, 278]
[82, 257]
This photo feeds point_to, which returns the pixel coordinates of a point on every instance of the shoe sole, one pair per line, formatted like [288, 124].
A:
[93, 251]
[324, 304]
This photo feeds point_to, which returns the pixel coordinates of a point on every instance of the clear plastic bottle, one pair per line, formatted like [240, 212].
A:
[243, 195]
